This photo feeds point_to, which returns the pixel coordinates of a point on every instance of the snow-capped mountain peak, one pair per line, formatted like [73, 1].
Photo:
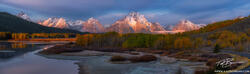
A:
[185, 25]
[61, 23]
[135, 17]
[46, 22]
[92, 25]
[76, 25]
[92, 20]
[55, 22]
[134, 22]
[23, 16]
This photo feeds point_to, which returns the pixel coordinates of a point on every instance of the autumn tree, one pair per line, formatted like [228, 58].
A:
[227, 39]
[165, 42]
[198, 42]
[19, 36]
[240, 47]
[84, 40]
[134, 42]
[209, 43]
[5, 35]
[183, 43]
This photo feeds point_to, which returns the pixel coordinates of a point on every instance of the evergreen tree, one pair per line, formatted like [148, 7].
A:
[217, 48]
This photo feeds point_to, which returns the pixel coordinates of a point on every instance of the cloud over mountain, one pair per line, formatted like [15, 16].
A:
[205, 11]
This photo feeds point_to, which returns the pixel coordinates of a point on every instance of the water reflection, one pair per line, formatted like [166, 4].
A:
[13, 45]
[30, 63]
[2, 47]
[12, 49]
[18, 45]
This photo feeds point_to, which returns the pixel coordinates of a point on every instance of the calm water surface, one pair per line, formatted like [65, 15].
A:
[21, 58]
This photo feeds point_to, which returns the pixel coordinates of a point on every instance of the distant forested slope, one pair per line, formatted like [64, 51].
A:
[11, 23]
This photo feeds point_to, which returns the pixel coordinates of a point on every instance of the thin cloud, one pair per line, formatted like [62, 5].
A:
[162, 11]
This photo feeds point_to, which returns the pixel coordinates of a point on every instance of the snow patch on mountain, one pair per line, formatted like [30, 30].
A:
[76, 25]
[55, 22]
[185, 25]
[92, 25]
[23, 16]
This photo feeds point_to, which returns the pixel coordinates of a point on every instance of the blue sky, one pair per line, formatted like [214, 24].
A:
[108, 11]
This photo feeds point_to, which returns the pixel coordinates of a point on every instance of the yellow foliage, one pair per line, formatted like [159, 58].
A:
[209, 43]
[183, 43]
[240, 47]
[228, 39]
[242, 37]
[198, 42]
[84, 40]
[19, 36]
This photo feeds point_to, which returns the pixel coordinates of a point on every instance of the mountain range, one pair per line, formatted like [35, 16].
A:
[55, 22]
[134, 22]
[12, 23]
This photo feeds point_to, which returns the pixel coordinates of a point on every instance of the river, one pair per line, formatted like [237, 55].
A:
[22, 58]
